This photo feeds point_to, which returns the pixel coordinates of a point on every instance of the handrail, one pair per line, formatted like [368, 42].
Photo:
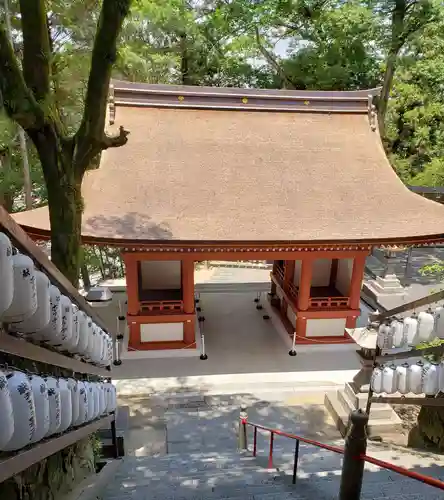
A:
[431, 481]
[334, 449]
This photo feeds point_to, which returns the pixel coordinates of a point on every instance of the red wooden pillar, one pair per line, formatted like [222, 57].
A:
[132, 283]
[132, 292]
[356, 280]
[273, 284]
[304, 295]
[288, 273]
[188, 299]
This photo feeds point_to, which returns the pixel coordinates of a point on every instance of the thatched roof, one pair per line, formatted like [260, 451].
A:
[229, 165]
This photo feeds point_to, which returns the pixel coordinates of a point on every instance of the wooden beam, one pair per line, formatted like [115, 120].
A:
[24, 349]
[400, 400]
[413, 353]
[25, 458]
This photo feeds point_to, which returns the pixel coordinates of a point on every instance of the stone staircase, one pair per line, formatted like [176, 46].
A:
[383, 419]
[233, 476]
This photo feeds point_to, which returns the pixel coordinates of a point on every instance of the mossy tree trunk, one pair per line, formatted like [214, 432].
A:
[27, 95]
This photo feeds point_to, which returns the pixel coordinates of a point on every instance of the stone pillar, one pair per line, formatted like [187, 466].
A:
[353, 465]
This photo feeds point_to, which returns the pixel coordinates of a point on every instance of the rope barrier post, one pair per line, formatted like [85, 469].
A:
[292, 351]
[353, 464]
[242, 438]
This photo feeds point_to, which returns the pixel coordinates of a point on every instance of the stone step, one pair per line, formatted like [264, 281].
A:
[376, 427]
[378, 411]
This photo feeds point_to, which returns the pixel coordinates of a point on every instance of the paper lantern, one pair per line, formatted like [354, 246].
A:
[91, 401]
[23, 408]
[52, 332]
[6, 274]
[41, 401]
[430, 379]
[426, 324]
[384, 339]
[42, 315]
[415, 377]
[402, 378]
[83, 403]
[65, 405]
[83, 333]
[74, 341]
[411, 329]
[397, 330]
[376, 380]
[24, 300]
[75, 399]
[439, 322]
[389, 379]
[54, 405]
[6, 412]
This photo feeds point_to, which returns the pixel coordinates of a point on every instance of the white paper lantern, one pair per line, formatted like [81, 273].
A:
[75, 399]
[41, 401]
[430, 379]
[441, 377]
[24, 301]
[83, 333]
[376, 380]
[67, 313]
[389, 379]
[42, 315]
[112, 398]
[83, 403]
[426, 324]
[24, 411]
[54, 405]
[439, 322]
[96, 392]
[73, 343]
[90, 345]
[6, 412]
[109, 358]
[6, 274]
[97, 344]
[53, 331]
[414, 377]
[397, 329]
[102, 400]
[411, 329]
[65, 405]
[402, 378]
[384, 338]
[91, 401]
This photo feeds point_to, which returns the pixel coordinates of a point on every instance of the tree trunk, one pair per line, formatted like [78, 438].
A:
[429, 431]
[386, 89]
[184, 61]
[65, 205]
[85, 276]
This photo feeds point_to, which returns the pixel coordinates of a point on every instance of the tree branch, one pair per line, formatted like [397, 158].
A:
[91, 130]
[17, 99]
[115, 141]
[272, 60]
[36, 47]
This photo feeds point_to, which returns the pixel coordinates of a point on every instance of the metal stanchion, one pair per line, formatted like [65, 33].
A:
[292, 351]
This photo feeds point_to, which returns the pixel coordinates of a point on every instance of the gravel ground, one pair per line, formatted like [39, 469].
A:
[408, 414]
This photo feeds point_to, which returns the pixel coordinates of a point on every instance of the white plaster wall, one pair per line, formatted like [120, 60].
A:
[291, 316]
[325, 327]
[321, 272]
[161, 332]
[160, 275]
[343, 278]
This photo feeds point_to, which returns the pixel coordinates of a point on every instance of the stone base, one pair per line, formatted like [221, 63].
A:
[388, 286]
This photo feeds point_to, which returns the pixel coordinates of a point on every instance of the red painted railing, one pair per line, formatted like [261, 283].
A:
[293, 291]
[431, 481]
[163, 306]
[328, 302]
[279, 273]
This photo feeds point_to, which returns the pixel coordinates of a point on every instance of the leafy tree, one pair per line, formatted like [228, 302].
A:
[28, 89]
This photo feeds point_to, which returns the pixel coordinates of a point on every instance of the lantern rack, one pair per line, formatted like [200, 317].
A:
[20, 460]
[26, 457]
[378, 358]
